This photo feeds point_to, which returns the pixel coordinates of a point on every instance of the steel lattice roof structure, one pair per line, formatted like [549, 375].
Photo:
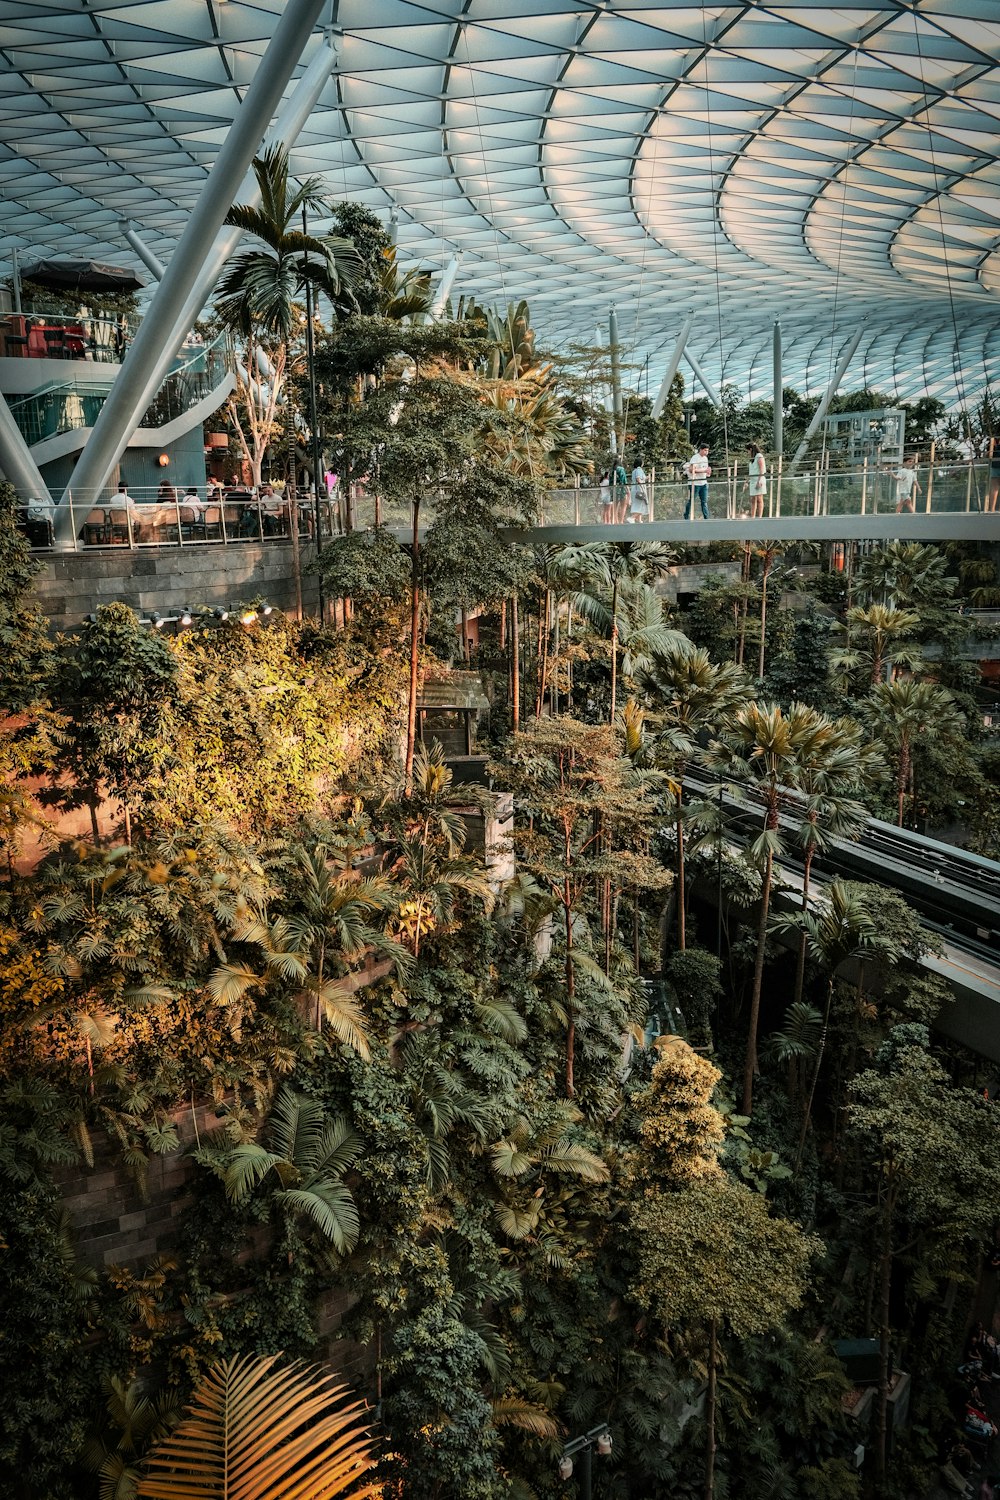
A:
[829, 164]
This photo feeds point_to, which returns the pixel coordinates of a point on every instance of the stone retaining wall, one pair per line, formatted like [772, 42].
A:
[72, 584]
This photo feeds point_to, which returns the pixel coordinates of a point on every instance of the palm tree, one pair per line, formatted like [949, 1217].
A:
[844, 927]
[309, 1156]
[910, 575]
[691, 695]
[256, 300]
[883, 630]
[765, 748]
[613, 566]
[899, 713]
[270, 1431]
[831, 783]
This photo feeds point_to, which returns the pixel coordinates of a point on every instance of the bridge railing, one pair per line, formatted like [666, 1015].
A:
[948, 488]
[943, 489]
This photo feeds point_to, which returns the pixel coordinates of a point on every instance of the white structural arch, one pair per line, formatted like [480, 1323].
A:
[828, 164]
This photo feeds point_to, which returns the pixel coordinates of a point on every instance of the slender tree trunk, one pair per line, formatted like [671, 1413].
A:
[742, 641]
[681, 892]
[763, 626]
[554, 693]
[800, 968]
[291, 505]
[750, 1067]
[884, 1372]
[95, 827]
[713, 1359]
[614, 651]
[411, 716]
[515, 651]
[465, 635]
[570, 985]
[503, 624]
[543, 653]
[807, 1112]
[901, 779]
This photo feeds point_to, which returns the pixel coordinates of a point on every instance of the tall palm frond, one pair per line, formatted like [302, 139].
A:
[256, 1430]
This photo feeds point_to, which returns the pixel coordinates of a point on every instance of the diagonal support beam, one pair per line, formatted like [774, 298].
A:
[828, 395]
[671, 370]
[703, 380]
[16, 460]
[185, 277]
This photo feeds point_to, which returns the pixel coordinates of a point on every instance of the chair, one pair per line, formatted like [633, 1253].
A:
[212, 523]
[236, 516]
[192, 524]
[118, 528]
[96, 529]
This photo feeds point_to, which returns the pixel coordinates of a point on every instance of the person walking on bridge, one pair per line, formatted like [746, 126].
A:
[699, 472]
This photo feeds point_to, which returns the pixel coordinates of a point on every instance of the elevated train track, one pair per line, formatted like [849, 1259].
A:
[955, 893]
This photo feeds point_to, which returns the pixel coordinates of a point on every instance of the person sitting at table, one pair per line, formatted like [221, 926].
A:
[237, 490]
[194, 500]
[166, 494]
[271, 508]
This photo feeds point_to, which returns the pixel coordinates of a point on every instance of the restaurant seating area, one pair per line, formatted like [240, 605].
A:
[50, 336]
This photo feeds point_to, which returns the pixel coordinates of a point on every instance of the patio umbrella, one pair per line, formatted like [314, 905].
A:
[82, 275]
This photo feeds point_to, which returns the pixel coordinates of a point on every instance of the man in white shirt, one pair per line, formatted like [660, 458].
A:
[907, 483]
[699, 472]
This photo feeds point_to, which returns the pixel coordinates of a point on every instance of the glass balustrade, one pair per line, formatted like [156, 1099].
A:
[69, 405]
[163, 517]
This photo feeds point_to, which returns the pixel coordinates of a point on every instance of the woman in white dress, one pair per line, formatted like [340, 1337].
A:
[756, 480]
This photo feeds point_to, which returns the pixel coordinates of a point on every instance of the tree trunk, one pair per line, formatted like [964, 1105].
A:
[800, 968]
[515, 669]
[884, 1372]
[713, 1357]
[291, 505]
[614, 650]
[763, 624]
[901, 779]
[411, 713]
[543, 653]
[465, 635]
[681, 896]
[570, 983]
[750, 1067]
[819, 1062]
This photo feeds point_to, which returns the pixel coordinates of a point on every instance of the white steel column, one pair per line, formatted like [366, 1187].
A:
[671, 370]
[150, 261]
[828, 395]
[778, 389]
[444, 287]
[16, 460]
[706, 384]
[188, 273]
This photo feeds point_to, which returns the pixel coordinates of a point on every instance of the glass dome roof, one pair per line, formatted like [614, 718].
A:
[831, 165]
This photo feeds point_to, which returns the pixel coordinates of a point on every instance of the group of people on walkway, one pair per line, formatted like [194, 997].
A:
[626, 498]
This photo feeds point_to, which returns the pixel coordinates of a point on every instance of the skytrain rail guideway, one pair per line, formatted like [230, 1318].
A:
[955, 893]
[704, 167]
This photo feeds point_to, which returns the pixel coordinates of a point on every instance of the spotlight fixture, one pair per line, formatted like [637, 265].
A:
[248, 617]
[186, 615]
[220, 613]
[565, 1470]
[604, 1445]
[91, 619]
[266, 610]
[156, 619]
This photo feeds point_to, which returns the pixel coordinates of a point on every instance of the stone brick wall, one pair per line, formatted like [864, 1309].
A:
[114, 1223]
[167, 579]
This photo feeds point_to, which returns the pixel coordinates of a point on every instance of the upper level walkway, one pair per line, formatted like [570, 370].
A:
[950, 503]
